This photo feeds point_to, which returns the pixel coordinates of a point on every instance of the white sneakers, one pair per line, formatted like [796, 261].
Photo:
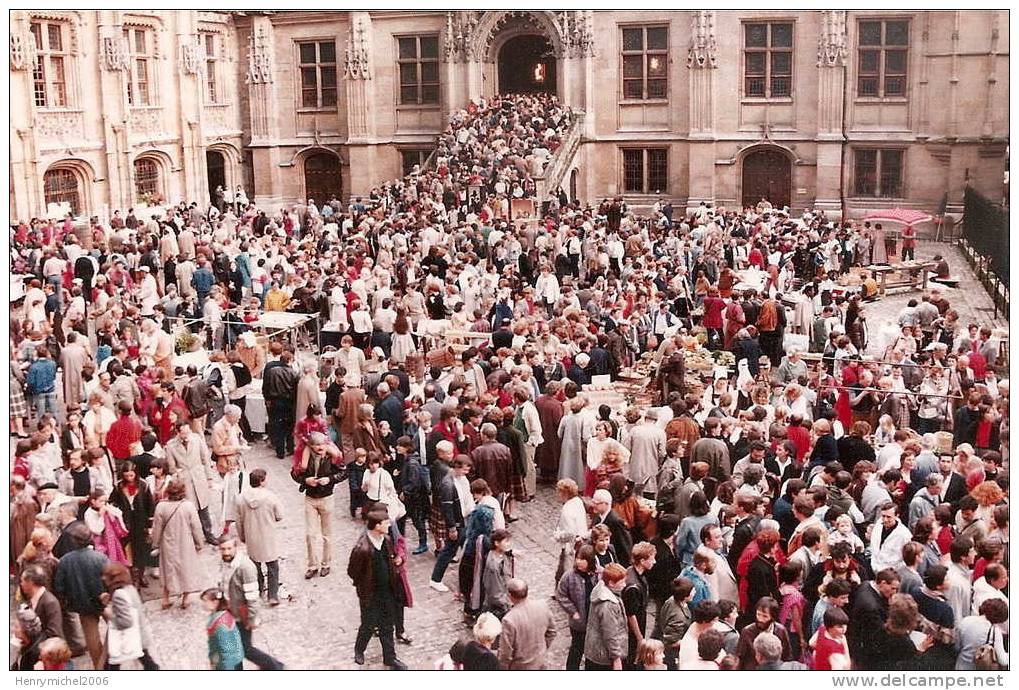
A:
[438, 586]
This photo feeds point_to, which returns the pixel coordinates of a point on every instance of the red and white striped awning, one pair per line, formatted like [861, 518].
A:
[904, 216]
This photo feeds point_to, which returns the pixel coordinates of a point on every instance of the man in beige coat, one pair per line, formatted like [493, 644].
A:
[527, 631]
[190, 463]
[258, 511]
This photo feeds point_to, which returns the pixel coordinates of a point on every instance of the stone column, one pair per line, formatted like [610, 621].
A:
[115, 64]
[701, 61]
[190, 107]
[263, 113]
[357, 79]
[831, 86]
[23, 168]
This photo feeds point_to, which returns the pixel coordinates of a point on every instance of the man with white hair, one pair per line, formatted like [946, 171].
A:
[792, 366]
[227, 438]
[768, 651]
[605, 515]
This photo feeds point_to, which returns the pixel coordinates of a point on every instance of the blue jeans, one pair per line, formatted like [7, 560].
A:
[446, 555]
[45, 402]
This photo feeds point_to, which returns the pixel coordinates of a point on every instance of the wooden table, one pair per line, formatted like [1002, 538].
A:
[913, 275]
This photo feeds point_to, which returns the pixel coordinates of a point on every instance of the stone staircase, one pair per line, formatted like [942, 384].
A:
[560, 164]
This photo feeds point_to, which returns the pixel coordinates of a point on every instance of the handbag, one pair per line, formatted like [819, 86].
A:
[125, 644]
[985, 658]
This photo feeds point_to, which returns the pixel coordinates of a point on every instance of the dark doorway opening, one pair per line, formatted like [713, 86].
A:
[573, 186]
[215, 165]
[767, 175]
[322, 178]
[527, 64]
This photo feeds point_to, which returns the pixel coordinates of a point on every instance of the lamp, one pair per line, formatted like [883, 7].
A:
[539, 72]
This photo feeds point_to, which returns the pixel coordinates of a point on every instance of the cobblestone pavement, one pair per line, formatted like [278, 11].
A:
[316, 629]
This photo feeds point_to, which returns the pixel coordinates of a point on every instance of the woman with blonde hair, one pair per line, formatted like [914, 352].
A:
[478, 654]
[650, 655]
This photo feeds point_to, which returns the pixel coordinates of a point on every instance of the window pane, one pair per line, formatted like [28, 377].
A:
[307, 53]
[870, 61]
[656, 66]
[633, 88]
[633, 170]
[309, 98]
[328, 96]
[658, 170]
[870, 33]
[37, 34]
[328, 76]
[755, 63]
[309, 78]
[891, 173]
[430, 93]
[408, 48]
[895, 62]
[896, 33]
[210, 44]
[54, 37]
[657, 38]
[781, 35]
[408, 73]
[756, 35]
[633, 66]
[657, 88]
[429, 72]
[865, 173]
[429, 46]
[327, 52]
[868, 86]
[782, 63]
[633, 39]
[781, 87]
[139, 41]
[755, 87]
[895, 86]
[409, 94]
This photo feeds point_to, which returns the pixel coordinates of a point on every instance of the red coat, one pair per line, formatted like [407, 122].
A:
[123, 433]
[713, 307]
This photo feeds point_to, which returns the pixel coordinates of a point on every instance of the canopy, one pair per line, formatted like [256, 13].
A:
[905, 216]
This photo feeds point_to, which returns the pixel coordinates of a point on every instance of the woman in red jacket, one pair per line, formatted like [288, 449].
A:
[712, 321]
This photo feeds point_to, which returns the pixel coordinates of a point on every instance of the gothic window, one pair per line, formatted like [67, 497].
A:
[60, 186]
[768, 60]
[418, 64]
[645, 57]
[141, 49]
[211, 61]
[147, 182]
[49, 75]
[878, 173]
[882, 58]
[318, 74]
[645, 171]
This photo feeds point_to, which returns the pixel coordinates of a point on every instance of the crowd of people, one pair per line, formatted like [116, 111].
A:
[823, 497]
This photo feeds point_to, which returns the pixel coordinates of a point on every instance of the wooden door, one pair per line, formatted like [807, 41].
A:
[767, 175]
[322, 178]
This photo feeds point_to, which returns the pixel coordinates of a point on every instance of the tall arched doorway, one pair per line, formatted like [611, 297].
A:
[322, 177]
[767, 174]
[215, 165]
[527, 64]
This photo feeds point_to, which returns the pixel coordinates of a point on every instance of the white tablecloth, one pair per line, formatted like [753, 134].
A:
[255, 410]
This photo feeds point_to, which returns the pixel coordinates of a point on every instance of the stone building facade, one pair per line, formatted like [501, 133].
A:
[842, 110]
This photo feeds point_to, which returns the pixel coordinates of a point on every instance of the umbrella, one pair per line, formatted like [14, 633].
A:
[904, 216]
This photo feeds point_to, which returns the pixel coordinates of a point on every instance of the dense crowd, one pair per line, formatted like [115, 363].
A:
[750, 477]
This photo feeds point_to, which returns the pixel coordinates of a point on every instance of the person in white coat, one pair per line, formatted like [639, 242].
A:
[887, 538]
[572, 527]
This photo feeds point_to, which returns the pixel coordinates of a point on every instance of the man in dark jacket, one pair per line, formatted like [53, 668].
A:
[42, 601]
[635, 597]
[667, 567]
[868, 611]
[78, 581]
[373, 568]
[317, 472]
[453, 517]
[390, 409]
[279, 389]
[604, 515]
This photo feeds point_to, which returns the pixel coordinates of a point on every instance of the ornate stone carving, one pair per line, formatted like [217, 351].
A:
[190, 54]
[259, 58]
[460, 28]
[355, 61]
[113, 53]
[831, 40]
[703, 49]
[57, 129]
[23, 54]
[147, 122]
[577, 33]
[216, 118]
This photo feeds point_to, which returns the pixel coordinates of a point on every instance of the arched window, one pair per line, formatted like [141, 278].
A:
[61, 186]
[147, 185]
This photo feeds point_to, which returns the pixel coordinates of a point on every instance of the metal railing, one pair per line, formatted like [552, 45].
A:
[553, 174]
